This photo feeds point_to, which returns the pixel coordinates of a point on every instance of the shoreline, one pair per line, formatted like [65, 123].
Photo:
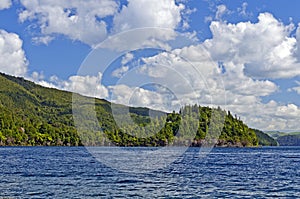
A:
[106, 146]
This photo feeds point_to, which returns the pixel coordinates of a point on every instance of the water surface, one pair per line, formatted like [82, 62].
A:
[72, 172]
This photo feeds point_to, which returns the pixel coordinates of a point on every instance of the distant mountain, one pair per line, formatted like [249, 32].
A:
[289, 139]
[37, 116]
[286, 139]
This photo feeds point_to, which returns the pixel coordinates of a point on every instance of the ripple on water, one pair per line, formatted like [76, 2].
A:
[57, 172]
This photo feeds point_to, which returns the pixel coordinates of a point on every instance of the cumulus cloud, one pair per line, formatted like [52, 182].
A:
[269, 116]
[140, 38]
[86, 21]
[192, 82]
[140, 97]
[4, 4]
[144, 23]
[12, 57]
[87, 85]
[202, 74]
[145, 13]
[90, 86]
[79, 20]
[199, 58]
[265, 48]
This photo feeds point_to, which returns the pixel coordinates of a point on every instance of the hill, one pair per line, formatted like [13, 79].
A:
[286, 139]
[289, 139]
[264, 139]
[34, 115]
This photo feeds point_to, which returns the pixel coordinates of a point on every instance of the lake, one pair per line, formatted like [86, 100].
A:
[72, 172]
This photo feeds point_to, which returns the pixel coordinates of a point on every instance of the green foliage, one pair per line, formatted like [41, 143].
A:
[265, 139]
[33, 115]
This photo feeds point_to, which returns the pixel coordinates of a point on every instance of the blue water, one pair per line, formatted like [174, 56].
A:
[62, 172]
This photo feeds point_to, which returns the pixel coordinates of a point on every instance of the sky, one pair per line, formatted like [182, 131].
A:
[243, 56]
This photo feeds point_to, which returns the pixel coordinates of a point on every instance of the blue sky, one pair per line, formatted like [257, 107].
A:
[173, 44]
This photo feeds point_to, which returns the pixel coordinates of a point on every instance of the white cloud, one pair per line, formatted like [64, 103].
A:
[198, 57]
[86, 85]
[39, 78]
[265, 48]
[12, 57]
[140, 38]
[192, 82]
[79, 20]
[145, 13]
[205, 78]
[298, 42]
[269, 116]
[85, 21]
[296, 88]
[127, 58]
[36, 76]
[4, 4]
[237, 82]
[221, 10]
[42, 40]
[208, 19]
[120, 71]
[47, 84]
[186, 17]
[145, 23]
[243, 10]
[140, 97]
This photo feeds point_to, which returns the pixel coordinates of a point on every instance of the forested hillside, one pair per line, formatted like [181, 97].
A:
[264, 139]
[33, 115]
